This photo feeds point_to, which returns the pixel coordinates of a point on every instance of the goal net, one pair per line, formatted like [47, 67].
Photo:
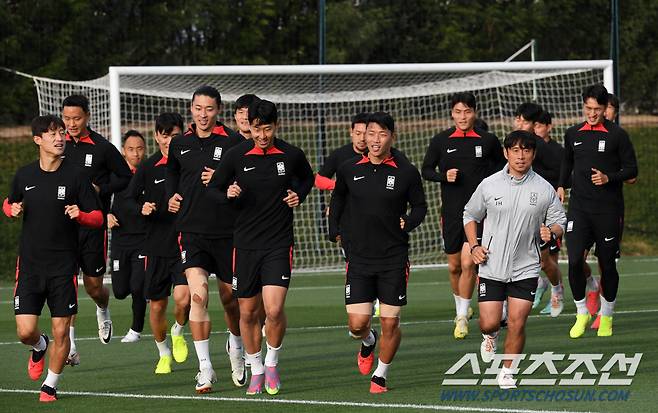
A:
[316, 104]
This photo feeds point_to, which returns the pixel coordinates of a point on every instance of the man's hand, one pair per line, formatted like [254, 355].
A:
[233, 190]
[479, 254]
[292, 199]
[72, 211]
[148, 208]
[206, 175]
[451, 174]
[598, 177]
[112, 221]
[401, 223]
[174, 203]
[560, 194]
[96, 188]
[545, 233]
[16, 209]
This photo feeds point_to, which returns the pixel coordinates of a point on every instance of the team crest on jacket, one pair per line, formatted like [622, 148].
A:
[390, 182]
[280, 168]
[217, 155]
[533, 198]
[478, 151]
[61, 192]
[89, 158]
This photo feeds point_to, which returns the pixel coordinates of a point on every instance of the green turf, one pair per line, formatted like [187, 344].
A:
[318, 359]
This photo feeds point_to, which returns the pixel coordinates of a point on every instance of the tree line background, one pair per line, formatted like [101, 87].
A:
[79, 39]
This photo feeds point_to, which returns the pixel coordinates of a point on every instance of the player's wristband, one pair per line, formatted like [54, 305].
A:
[475, 246]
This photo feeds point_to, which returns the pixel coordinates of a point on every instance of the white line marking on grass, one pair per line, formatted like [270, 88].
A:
[340, 326]
[296, 401]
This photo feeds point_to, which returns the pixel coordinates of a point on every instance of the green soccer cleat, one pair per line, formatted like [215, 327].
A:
[578, 329]
[605, 326]
[179, 347]
[164, 365]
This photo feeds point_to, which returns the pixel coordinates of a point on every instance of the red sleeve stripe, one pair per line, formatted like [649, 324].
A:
[93, 219]
[6, 207]
[323, 183]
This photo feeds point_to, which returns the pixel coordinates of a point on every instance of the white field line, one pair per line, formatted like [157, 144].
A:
[296, 402]
[344, 326]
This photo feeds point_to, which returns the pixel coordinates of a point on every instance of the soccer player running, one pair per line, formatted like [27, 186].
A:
[241, 114]
[126, 251]
[108, 172]
[550, 250]
[601, 157]
[265, 178]
[547, 164]
[55, 199]
[206, 229]
[148, 197]
[521, 208]
[379, 187]
[464, 156]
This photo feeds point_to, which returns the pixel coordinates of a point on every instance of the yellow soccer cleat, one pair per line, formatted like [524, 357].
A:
[578, 329]
[461, 328]
[164, 365]
[605, 326]
[179, 347]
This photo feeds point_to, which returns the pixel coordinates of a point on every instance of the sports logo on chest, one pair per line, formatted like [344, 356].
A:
[280, 168]
[533, 198]
[390, 182]
[89, 159]
[601, 146]
[61, 192]
[478, 151]
[217, 154]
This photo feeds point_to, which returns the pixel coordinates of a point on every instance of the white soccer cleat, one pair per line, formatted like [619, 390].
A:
[238, 367]
[204, 380]
[488, 347]
[557, 304]
[131, 336]
[105, 331]
[506, 379]
[73, 359]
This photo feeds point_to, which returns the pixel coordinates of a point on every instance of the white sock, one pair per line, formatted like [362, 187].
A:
[272, 355]
[581, 307]
[462, 309]
[607, 307]
[382, 369]
[457, 301]
[256, 363]
[492, 335]
[51, 379]
[102, 314]
[134, 332]
[202, 348]
[592, 284]
[177, 329]
[234, 342]
[556, 289]
[542, 283]
[72, 350]
[41, 344]
[163, 348]
[370, 340]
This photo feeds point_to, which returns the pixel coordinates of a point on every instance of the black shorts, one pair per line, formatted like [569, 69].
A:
[253, 269]
[92, 245]
[32, 291]
[554, 245]
[211, 254]
[161, 274]
[127, 267]
[388, 283]
[452, 232]
[584, 230]
[492, 290]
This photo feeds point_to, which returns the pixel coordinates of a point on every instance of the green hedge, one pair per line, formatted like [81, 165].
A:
[640, 236]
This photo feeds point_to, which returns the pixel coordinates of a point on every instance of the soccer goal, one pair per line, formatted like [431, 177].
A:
[315, 106]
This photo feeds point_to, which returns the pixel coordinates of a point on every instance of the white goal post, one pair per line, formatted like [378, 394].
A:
[317, 102]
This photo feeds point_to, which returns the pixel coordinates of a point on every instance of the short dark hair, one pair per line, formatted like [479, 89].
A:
[130, 134]
[467, 98]
[613, 101]
[42, 124]
[166, 122]
[245, 101]
[529, 111]
[383, 119]
[211, 92]
[481, 124]
[524, 139]
[263, 111]
[360, 118]
[597, 92]
[545, 118]
[79, 101]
